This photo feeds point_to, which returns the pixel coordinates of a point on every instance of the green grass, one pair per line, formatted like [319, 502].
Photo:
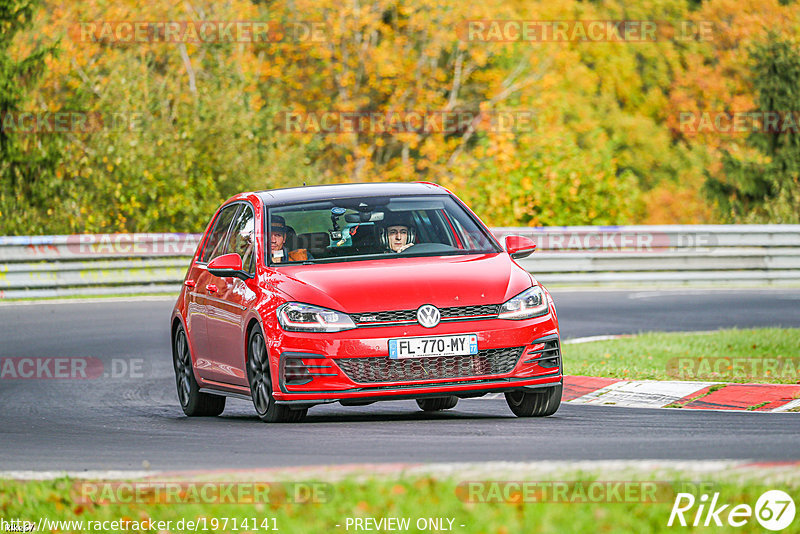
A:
[400, 497]
[768, 355]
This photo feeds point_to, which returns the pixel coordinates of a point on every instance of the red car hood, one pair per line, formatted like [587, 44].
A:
[404, 283]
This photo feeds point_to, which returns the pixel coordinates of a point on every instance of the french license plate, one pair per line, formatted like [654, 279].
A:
[426, 347]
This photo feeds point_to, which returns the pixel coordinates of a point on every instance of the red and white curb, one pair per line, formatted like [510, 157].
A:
[676, 394]
[601, 391]
[680, 394]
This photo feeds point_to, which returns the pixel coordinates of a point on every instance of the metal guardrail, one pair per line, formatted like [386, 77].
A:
[93, 264]
[51, 266]
[664, 255]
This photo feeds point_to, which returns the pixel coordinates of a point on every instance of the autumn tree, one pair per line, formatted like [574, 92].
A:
[764, 185]
[26, 162]
[183, 125]
[193, 122]
[719, 80]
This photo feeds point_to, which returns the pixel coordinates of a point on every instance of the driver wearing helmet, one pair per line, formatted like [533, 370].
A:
[398, 233]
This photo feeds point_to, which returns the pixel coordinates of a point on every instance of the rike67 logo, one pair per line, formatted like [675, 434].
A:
[774, 510]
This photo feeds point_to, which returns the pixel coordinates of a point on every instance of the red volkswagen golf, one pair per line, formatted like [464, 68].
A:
[358, 293]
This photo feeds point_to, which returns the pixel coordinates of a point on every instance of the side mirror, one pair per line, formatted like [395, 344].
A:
[519, 247]
[228, 265]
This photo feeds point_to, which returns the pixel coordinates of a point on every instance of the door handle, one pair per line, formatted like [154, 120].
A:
[211, 288]
[189, 283]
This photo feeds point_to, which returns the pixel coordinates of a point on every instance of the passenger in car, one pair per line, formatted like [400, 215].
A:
[280, 253]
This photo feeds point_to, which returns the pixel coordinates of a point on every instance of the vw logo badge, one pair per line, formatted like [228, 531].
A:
[428, 315]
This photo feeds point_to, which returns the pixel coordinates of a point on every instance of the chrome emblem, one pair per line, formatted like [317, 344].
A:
[428, 315]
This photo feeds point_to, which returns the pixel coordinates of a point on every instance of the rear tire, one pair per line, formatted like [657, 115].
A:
[258, 375]
[436, 404]
[194, 403]
[527, 403]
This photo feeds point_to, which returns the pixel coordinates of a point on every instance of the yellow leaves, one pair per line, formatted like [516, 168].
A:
[409, 139]
[257, 102]
[479, 55]
[387, 69]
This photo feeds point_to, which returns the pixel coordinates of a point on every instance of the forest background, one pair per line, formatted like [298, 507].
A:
[632, 131]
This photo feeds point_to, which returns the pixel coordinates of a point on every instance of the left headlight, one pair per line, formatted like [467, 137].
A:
[299, 317]
[530, 303]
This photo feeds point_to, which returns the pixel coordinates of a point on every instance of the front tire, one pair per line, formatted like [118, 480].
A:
[258, 376]
[437, 403]
[194, 403]
[525, 403]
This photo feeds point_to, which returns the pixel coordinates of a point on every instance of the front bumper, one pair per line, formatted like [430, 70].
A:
[319, 368]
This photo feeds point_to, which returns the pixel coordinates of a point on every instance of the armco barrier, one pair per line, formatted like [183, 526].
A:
[643, 256]
[664, 255]
[102, 264]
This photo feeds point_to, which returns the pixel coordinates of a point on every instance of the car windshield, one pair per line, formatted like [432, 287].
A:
[373, 227]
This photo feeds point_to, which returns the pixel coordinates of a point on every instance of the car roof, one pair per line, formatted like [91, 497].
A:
[289, 195]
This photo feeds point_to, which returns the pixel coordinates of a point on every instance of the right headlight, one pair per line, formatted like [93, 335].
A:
[530, 303]
[300, 317]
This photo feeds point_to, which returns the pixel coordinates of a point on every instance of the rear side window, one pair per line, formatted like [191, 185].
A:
[242, 238]
[216, 240]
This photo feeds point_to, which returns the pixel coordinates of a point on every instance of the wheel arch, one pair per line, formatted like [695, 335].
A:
[176, 322]
[251, 324]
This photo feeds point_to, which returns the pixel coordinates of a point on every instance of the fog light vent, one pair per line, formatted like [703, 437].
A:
[295, 372]
[549, 356]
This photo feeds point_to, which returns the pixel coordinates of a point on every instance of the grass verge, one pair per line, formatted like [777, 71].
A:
[413, 498]
[768, 355]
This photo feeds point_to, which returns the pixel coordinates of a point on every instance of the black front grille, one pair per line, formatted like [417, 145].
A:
[385, 316]
[398, 316]
[467, 311]
[384, 369]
